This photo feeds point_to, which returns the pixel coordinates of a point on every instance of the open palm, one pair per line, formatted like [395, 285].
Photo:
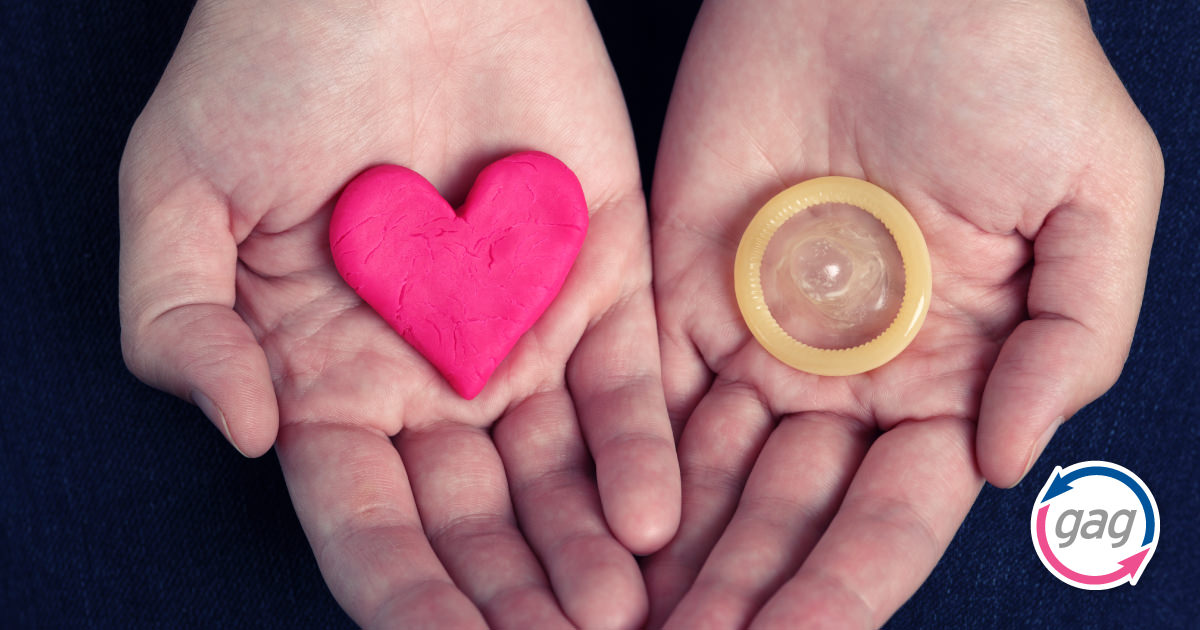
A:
[410, 495]
[825, 501]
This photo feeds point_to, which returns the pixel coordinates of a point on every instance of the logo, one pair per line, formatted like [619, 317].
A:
[1095, 525]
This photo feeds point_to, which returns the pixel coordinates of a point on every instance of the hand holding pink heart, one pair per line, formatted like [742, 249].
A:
[230, 298]
[461, 288]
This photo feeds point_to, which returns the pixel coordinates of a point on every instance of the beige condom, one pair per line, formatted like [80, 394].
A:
[918, 276]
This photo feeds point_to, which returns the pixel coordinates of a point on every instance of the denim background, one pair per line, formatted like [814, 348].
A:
[122, 507]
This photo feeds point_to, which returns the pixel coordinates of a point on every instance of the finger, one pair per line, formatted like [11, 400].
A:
[352, 496]
[912, 491]
[1089, 273]
[796, 486]
[595, 577]
[178, 328]
[463, 498]
[685, 377]
[681, 294]
[717, 450]
[616, 384]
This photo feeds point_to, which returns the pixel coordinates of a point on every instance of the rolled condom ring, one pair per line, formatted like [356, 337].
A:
[832, 279]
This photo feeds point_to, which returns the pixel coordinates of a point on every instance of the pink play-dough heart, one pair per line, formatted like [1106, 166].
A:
[461, 288]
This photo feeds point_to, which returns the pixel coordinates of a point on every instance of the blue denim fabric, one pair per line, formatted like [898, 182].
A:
[121, 507]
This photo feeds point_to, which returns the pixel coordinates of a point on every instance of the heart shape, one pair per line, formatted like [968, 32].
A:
[461, 287]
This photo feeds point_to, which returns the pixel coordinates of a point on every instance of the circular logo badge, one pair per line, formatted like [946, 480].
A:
[1095, 525]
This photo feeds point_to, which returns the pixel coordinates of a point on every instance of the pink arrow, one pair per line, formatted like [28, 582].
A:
[1129, 566]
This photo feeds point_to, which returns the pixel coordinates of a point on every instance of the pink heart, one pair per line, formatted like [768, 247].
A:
[461, 288]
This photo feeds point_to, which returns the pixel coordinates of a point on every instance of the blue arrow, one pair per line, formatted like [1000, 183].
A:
[1062, 484]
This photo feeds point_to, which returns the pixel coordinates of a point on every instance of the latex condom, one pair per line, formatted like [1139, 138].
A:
[833, 277]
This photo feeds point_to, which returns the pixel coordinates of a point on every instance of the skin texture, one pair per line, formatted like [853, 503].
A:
[422, 508]
[825, 502]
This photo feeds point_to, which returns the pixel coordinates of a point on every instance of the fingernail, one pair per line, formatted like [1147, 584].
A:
[214, 414]
[1040, 445]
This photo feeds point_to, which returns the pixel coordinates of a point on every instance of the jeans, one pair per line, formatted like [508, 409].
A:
[123, 508]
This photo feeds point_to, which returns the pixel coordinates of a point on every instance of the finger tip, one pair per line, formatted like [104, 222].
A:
[255, 447]
[645, 516]
[1004, 480]
[648, 536]
[644, 524]
[251, 433]
[1005, 459]
[640, 491]
[1000, 467]
[611, 593]
[613, 613]
[257, 434]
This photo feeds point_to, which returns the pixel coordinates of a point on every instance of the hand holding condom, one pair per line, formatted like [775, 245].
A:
[1035, 182]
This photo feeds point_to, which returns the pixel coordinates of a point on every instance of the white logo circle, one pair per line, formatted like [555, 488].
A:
[1095, 525]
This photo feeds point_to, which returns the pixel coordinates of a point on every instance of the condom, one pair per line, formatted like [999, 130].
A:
[828, 292]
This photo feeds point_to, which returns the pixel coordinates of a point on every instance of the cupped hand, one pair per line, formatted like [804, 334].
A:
[825, 501]
[422, 508]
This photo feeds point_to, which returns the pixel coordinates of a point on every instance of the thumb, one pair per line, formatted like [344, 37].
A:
[206, 354]
[1047, 370]
[179, 331]
[1089, 273]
